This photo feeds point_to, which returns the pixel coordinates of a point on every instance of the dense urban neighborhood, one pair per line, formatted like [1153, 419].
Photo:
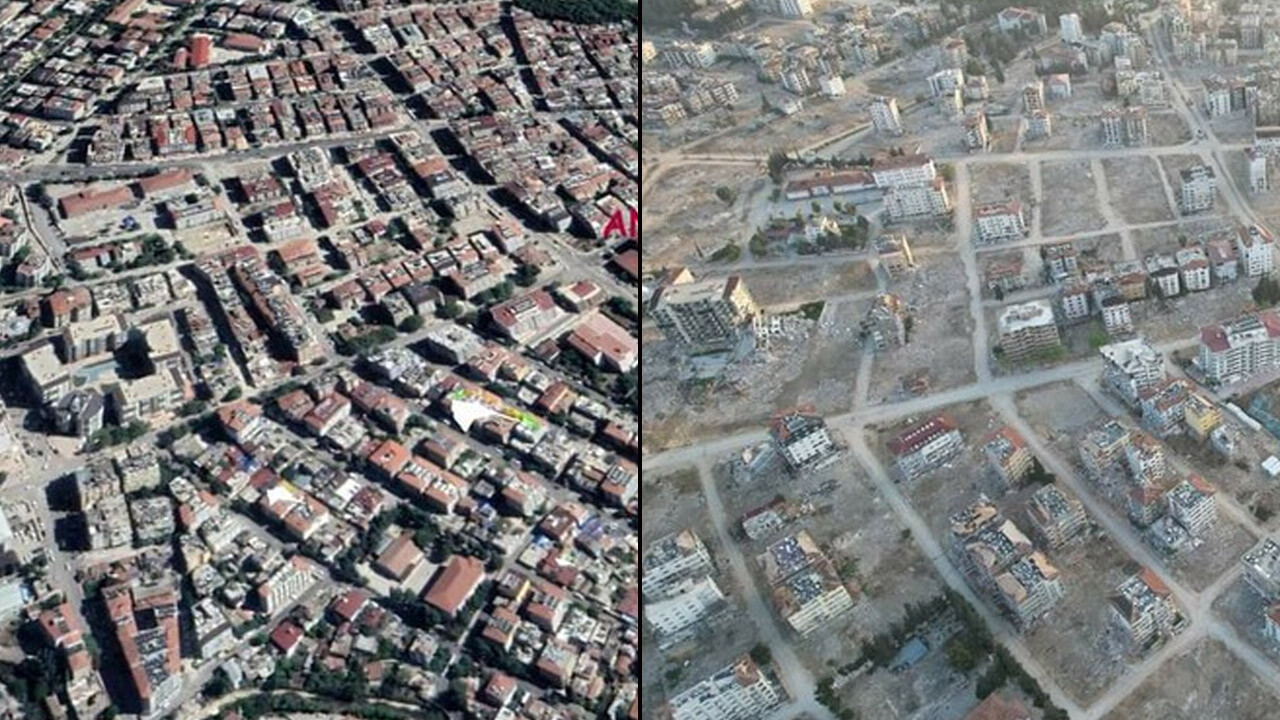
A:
[319, 333]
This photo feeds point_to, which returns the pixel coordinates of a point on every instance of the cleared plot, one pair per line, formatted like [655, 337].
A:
[1207, 681]
[1137, 190]
[1060, 413]
[1246, 611]
[1181, 318]
[940, 345]
[1167, 128]
[1070, 203]
[1077, 641]
[681, 211]
[790, 287]
[994, 182]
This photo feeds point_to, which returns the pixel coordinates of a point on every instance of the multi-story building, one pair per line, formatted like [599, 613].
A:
[899, 170]
[1055, 517]
[1262, 569]
[1201, 416]
[1135, 125]
[1144, 456]
[1112, 127]
[1256, 249]
[1116, 317]
[704, 315]
[1029, 589]
[1162, 405]
[1224, 265]
[893, 253]
[1074, 299]
[45, 374]
[674, 557]
[1027, 329]
[689, 54]
[885, 116]
[1008, 455]
[1259, 179]
[1199, 186]
[91, 337]
[1069, 28]
[1193, 265]
[946, 81]
[912, 202]
[812, 597]
[1102, 450]
[1144, 609]
[683, 604]
[1039, 125]
[802, 440]
[926, 445]
[739, 692]
[1238, 349]
[1000, 221]
[976, 135]
[1061, 261]
[146, 396]
[1217, 97]
[1191, 503]
[1033, 96]
[795, 8]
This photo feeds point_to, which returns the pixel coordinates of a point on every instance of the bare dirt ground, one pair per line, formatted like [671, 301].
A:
[1182, 317]
[941, 331]
[1060, 413]
[786, 288]
[1071, 205]
[817, 364]
[1137, 191]
[1223, 544]
[681, 212]
[1184, 232]
[1245, 610]
[1107, 248]
[1205, 682]
[1076, 641]
[995, 182]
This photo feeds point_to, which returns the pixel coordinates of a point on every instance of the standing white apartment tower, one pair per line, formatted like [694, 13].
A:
[802, 439]
[1237, 349]
[1130, 367]
[999, 221]
[682, 604]
[795, 8]
[1258, 178]
[1199, 185]
[673, 558]
[885, 116]
[1069, 28]
[741, 691]
[1256, 249]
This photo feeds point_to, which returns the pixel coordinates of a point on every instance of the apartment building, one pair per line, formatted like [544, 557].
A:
[683, 604]
[45, 374]
[704, 315]
[1029, 589]
[1033, 96]
[1162, 405]
[147, 396]
[1240, 348]
[1008, 455]
[1027, 329]
[674, 557]
[1201, 416]
[806, 590]
[885, 116]
[1102, 450]
[1000, 221]
[1255, 247]
[1144, 609]
[1191, 503]
[913, 202]
[1055, 516]
[1193, 266]
[741, 691]
[896, 170]
[1262, 569]
[946, 81]
[925, 446]
[802, 439]
[94, 336]
[1199, 186]
[1259, 177]
[977, 137]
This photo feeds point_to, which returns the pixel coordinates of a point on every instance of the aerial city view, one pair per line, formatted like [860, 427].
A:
[961, 360]
[319, 359]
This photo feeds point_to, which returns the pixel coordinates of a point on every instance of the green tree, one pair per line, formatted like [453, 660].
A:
[412, 324]
[726, 195]
[777, 164]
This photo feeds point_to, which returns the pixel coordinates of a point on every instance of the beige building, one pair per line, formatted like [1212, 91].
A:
[704, 315]
[1028, 329]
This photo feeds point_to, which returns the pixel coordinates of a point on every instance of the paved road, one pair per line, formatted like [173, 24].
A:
[798, 679]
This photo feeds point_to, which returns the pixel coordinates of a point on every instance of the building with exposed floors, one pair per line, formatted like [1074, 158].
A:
[1000, 221]
[1262, 569]
[1055, 516]
[1027, 329]
[885, 116]
[704, 315]
[1008, 455]
[925, 446]
[1130, 367]
[1143, 608]
[802, 440]
[741, 691]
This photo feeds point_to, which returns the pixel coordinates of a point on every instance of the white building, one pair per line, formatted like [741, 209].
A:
[1069, 28]
[1193, 265]
[885, 116]
[739, 692]
[795, 8]
[1000, 221]
[945, 82]
[683, 604]
[1039, 125]
[675, 557]
[802, 440]
[1258, 178]
[1027, 329]
[926, 445]
[1075, 301]
[1117, 319]
[831, 86]
[1199, 185]
[976, 136]
[903, 170]
[1256, 249]
[1143, 608]
[1191, 503]
[1130, 367]
[911, 202]
[688, 54]
[1240, 348]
